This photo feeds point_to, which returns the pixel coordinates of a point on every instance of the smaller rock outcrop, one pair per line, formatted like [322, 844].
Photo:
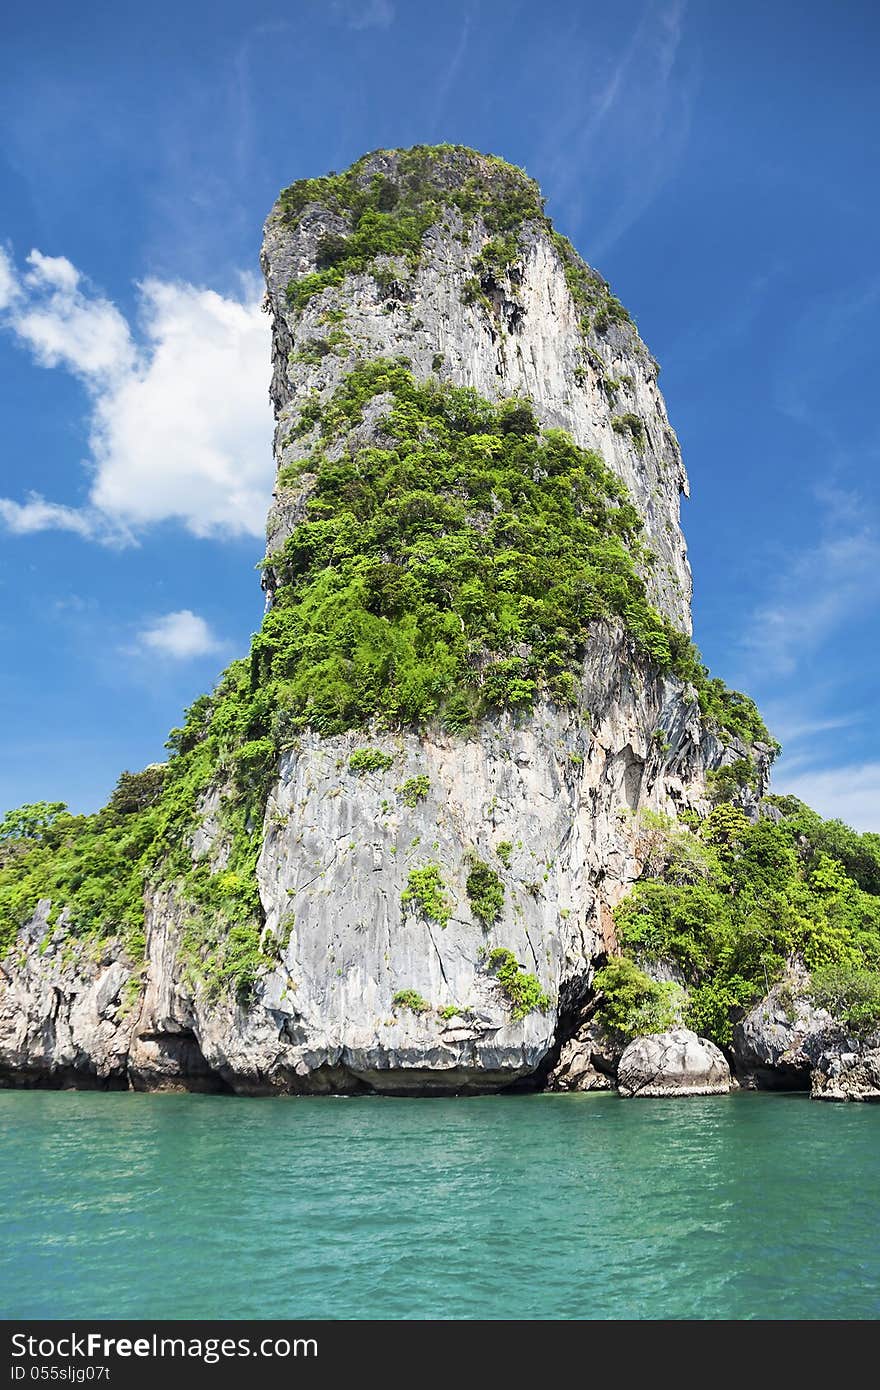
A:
[780, 1040]
[65, 1019]
[587, 1062]
[676, 1063]
[842, 1075]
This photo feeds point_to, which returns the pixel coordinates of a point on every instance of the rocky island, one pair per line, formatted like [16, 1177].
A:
[471, 814]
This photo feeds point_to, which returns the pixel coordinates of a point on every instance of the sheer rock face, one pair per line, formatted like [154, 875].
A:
[530, 344]
[558, 786]
[65, 1018]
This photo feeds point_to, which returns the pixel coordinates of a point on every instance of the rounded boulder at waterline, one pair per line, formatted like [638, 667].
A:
[677, 1063]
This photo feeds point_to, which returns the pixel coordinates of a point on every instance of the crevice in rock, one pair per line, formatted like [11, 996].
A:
[577, 1004]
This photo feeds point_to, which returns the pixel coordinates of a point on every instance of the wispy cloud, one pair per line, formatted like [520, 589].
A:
[363, 14]
[836, 580]
[180, 636]
[179, 421]
[618, 137]
[850, 793]
[810, 642]
[452, 69]
[807, 379]
[36, 514]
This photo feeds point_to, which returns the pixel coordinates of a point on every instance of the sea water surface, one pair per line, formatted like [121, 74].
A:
[164, 1206]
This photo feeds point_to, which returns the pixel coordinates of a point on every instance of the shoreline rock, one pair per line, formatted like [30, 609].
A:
[675, 1063]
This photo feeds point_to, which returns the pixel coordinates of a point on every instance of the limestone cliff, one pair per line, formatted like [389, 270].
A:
[380, 965]
[539, 326]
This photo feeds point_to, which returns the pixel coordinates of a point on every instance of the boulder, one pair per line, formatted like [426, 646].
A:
[676, 1063]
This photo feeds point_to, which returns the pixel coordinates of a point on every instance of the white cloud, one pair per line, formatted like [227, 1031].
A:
[848, 793]
[180, 426]
[180, 635]
[8, 280]
[63, 327]
[36, 514]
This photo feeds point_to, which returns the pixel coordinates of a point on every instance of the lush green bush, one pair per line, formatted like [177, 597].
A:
[632, 1003]
[370, 760]
[725, 783]
[858, 853]
[426, 891]
[851, 993]
[410, 999]
[485, 892]
[504, 850]
[733, 909]
[32, 824]
[414, 790]
[630, 424]
[135, 791]
[522, 989]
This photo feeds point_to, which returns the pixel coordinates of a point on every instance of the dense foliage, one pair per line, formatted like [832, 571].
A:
[425, 893]
[730, 903]
[370, 760]
[850, 993]
[454, 571]
[457, 569]
[632, 1003]
[485, 892]
[96, 867]
[412, 1000]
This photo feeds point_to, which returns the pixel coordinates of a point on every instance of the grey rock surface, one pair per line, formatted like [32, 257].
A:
[676, 1063]
[65, 1019]
[587, 1061]
[778, 1043]
[842, 1073]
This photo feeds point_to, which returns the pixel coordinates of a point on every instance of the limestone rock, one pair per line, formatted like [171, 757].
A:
[677, 1063]
[558, 786]
[587, 1061]
[534, 345]
[848, 1075]
[64, 1016]
[780, 1040]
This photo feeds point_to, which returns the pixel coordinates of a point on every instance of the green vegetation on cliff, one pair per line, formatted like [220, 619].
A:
[730, 903]
[388, 215]
[522, 989]
[457, 569]
[97, 867]
[454, 571]
[386, 211]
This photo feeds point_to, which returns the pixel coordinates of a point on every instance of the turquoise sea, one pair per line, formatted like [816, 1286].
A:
[161, 1206]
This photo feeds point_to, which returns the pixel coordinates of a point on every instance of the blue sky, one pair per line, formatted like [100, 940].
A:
[716, 162]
